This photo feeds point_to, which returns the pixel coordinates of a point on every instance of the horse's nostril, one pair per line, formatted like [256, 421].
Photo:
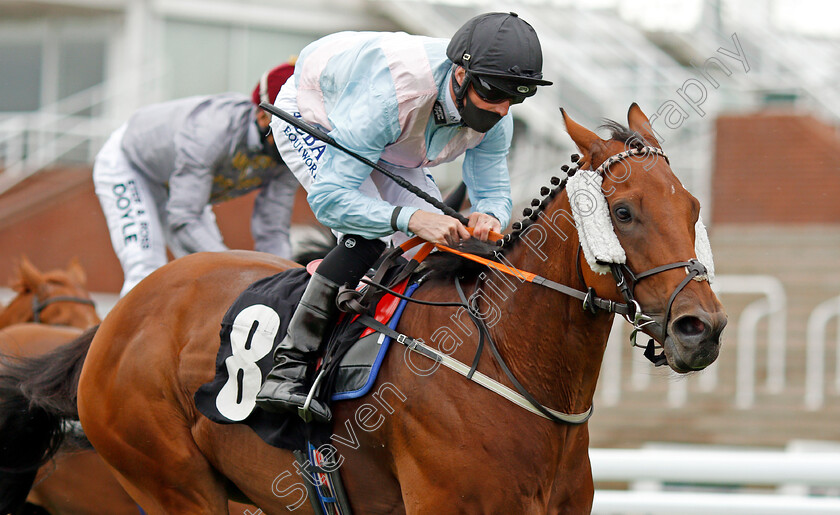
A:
[690, 326]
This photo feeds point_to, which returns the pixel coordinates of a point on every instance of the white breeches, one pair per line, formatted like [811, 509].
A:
[135, 210]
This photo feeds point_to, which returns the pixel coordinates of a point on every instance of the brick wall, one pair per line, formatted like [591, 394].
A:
[776, 167]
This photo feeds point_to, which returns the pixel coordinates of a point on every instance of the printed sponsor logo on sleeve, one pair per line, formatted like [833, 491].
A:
[308, 148]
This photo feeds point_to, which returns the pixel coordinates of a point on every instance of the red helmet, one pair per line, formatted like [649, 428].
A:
[270, 83]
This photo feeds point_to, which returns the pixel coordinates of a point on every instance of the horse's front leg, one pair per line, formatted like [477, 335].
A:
[573, 501]
[448, 495]
[467, 475]
[573, 486]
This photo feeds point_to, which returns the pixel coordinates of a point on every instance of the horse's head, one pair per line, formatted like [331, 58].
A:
[654, 259]
[57, 297]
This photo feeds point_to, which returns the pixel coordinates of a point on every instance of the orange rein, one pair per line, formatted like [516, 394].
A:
[427, 248]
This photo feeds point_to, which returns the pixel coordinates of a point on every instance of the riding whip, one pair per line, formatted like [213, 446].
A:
[323, 136]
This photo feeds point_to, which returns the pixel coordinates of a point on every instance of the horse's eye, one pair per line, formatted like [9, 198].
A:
[622, 214]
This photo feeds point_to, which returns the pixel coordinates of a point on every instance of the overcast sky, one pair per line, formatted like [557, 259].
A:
[812, 17]
[808, 17]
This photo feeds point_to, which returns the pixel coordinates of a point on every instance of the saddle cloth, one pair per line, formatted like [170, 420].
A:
[251, 329]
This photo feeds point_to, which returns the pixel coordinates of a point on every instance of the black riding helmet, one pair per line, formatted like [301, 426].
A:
[499, 50]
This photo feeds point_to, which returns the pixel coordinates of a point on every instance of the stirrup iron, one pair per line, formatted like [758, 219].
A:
[304, 411]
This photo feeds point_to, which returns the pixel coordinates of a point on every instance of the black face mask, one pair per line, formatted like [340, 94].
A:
[476, 118]
[268, 148]
[473, 116]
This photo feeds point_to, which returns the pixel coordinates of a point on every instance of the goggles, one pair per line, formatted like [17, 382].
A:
[492, 94]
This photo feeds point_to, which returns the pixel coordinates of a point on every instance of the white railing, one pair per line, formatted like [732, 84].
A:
[815, 353]
[735, 474]
[30, 142]
[40, 139]
[613, 502]
[772, 306]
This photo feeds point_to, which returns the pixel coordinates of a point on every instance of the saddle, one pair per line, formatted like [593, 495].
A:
[256, 323]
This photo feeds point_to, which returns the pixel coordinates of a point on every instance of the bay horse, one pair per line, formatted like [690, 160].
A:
[428, 441]
[57, 297]
[51, 309]
[76, 481]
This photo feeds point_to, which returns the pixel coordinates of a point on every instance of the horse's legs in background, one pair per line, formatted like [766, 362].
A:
[79, 482]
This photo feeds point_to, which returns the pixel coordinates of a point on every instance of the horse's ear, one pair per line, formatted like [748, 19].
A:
[31, 279]
[637, 121]
[76, 272]
[587, 141]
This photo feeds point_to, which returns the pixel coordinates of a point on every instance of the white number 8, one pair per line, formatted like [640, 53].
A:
[251, 338]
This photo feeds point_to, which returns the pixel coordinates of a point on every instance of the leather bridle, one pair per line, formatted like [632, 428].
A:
[39, 305]
[694, 269]
[630, 309]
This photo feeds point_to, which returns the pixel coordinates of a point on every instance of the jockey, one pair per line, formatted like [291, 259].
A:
[157, 176]
[408, 103]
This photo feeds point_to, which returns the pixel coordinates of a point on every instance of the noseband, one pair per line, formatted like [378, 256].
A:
[693, 269]
[39, 305]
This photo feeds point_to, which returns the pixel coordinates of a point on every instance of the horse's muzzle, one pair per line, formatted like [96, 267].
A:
[693, 340]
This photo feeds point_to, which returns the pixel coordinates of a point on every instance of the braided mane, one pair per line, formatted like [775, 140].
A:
[451, 263]
[618, 132]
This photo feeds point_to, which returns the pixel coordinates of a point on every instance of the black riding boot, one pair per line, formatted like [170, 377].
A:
[285, 387]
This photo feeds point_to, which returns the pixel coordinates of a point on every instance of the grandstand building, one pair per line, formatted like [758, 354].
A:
[747, 109]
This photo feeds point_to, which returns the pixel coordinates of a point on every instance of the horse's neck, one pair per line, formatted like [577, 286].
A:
[18, 311]
[552, 345]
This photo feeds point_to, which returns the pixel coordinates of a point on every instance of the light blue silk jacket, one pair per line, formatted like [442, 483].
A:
[378, 94]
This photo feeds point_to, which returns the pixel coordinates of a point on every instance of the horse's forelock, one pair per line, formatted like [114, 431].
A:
[623, 134]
